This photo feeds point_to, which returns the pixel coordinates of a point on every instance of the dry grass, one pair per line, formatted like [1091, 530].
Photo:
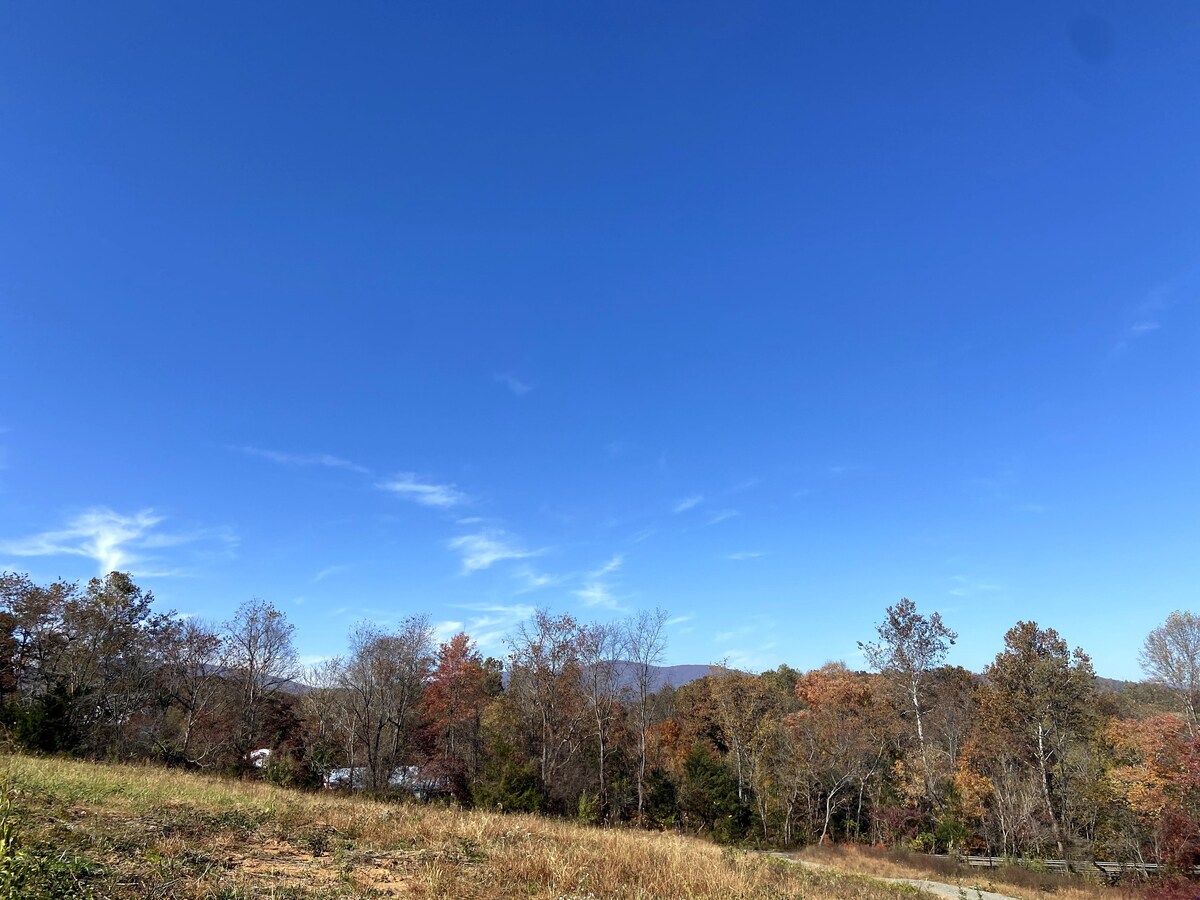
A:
[148, 832]
[1010, 880]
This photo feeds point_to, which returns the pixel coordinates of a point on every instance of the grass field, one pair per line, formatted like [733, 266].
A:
[81, 829]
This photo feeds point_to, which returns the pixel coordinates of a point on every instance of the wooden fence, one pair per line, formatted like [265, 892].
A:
[1111, 871]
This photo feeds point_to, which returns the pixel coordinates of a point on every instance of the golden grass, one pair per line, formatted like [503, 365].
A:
[160, 833]
[1012, 881]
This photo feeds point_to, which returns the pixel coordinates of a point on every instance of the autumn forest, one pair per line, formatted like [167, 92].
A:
[1032, 757]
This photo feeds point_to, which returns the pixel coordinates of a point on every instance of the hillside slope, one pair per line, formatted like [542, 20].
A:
[84, 829]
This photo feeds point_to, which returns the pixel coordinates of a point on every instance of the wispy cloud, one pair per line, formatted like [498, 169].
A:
[116, 542]
[688, 503]
[486, 548]
[443, 631]
[751, 646]
[1134, 332]
[679, 620]
[718, 517]
[489, 624]
[745, 555]
[609, 567]
[329, 570]
[1148, 315]
[408, 486]
[966, 587]
[595, 593]
[529, 579]
[518, 387]
[304, 459]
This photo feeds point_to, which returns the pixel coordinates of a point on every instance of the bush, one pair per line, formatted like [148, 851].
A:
[281, 770]
[662, 802]
[589, 809]
[510, 789]
[709, 798]
[43, 724]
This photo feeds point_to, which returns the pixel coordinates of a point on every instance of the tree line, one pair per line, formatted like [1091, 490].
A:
[1035, 756]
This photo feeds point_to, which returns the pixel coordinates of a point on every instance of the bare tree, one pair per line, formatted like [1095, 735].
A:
[259, 659]
[1171, 657]
[323, 715]
[545, 681]
[191, 673]
[600, 646]
[383, 679]
[645, 643]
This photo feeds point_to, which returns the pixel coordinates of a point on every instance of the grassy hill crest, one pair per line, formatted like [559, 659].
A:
[100, 830]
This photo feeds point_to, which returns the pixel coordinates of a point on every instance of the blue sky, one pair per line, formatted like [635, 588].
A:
[767, 315]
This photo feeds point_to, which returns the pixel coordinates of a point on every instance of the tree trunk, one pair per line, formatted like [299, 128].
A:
[1045, 779]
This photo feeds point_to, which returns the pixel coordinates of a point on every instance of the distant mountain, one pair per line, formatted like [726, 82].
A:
[283, 685]
[660, 676]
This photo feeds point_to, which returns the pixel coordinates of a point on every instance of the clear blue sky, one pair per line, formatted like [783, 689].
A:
[768, 315]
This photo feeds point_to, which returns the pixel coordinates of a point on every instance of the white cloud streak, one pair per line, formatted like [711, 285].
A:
[486, 548]
[595, 593]
[609, 567]
[407, 486]
[304, 459]
[518, 387]
[688, 503]
[533, 580]
[329, 570]
[116, 542]
[966, 587]
[491, 623]
[718, 517]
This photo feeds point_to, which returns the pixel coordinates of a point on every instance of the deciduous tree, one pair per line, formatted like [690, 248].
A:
[454, 701]
[259, 659]
[383, 679]
[1171, 656]
[544, 679]
[645, 643]
[1037, 700]
[910, 647]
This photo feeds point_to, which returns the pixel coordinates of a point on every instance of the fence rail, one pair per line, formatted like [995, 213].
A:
[1109, 870]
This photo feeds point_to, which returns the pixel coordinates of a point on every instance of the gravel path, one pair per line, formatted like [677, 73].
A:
[938, 888]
